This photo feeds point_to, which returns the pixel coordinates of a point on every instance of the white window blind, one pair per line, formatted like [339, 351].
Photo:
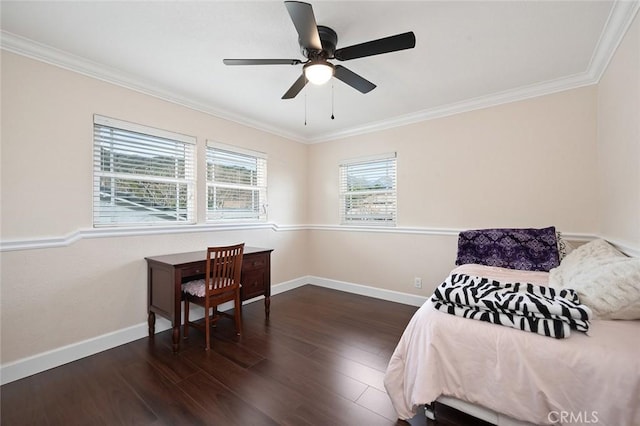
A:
[141, 175]
[236, 184]
[368, 191]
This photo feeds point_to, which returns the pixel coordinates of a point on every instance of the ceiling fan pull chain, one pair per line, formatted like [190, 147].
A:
[305, 108]
[332, 102]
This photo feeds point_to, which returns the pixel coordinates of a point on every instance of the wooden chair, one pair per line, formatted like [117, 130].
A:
[222, 273]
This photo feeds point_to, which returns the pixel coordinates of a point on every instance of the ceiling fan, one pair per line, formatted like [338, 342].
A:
[318, 45]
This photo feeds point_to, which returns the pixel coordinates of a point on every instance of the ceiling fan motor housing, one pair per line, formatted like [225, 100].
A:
[329, 40]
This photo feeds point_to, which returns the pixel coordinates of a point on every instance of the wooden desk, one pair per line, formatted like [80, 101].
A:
[165, 275]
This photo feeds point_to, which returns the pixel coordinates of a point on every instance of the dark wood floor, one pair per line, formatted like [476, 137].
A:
[319, 360]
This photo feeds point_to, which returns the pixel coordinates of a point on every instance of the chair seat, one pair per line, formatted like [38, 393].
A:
[196, 287]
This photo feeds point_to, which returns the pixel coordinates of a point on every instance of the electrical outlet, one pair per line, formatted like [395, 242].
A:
[417, 282]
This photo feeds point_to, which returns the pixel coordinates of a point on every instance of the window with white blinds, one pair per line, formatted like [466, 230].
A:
[368, 191]
[141, 175]
[236, 184]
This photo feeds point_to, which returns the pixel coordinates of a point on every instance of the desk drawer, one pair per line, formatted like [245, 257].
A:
[192, 271]
[251, 262]
[253, 283]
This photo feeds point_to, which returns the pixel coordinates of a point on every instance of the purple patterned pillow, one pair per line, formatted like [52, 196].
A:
[527, 249]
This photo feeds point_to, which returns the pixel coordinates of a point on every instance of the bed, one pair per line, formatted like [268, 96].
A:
[508, 376]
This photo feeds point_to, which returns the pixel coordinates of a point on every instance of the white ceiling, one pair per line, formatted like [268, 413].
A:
[468, 54]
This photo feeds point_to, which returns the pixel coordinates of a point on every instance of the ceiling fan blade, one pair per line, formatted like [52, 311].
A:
[296, 87]
[376, 47]
[305, 22]
[261, 61]
[352, 79]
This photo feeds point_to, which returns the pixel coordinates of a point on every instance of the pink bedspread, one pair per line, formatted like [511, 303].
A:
[523, 375]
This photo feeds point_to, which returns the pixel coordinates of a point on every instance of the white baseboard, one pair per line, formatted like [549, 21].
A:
[44, 361]
[25, 367]
[364, 290]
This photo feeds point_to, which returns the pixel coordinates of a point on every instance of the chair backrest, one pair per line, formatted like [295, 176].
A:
[223, 268]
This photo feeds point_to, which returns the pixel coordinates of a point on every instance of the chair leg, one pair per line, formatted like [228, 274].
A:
[207, 329]
[186, 318]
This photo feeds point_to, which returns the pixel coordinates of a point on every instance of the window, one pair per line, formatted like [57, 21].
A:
[368, 190]
[236, 184]
[141, 175]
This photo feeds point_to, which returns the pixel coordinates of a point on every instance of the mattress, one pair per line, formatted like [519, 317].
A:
[523, 376]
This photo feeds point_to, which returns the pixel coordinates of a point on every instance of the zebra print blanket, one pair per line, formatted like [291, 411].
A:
[523, 306]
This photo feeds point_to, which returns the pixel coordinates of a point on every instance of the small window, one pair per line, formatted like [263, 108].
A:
[236, 184]
[141, 175]
[368, 191]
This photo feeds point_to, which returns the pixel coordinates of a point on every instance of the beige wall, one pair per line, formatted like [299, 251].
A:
[47, 129]
[619, 142]
[525, 164]
[52, 297]
[535, 162]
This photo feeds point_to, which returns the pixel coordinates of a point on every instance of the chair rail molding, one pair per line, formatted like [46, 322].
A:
[69, 239]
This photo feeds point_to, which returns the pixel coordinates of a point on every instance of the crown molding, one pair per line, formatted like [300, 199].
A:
[50, 55]
[618, 22]
[620, 18]
[495, 99]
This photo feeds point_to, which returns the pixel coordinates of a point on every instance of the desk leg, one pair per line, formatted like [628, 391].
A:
[152, 323]
[177, 309]
[267, 306]
[175, 338]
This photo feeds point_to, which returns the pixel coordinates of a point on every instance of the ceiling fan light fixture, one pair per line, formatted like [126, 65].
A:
[318, 72]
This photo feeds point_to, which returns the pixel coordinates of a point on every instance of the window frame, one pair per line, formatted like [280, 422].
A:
[259, 188]
[157, 141]
[388, 195]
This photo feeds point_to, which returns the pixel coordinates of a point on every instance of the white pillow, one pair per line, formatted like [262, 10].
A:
[564, 246]
[605, 279]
